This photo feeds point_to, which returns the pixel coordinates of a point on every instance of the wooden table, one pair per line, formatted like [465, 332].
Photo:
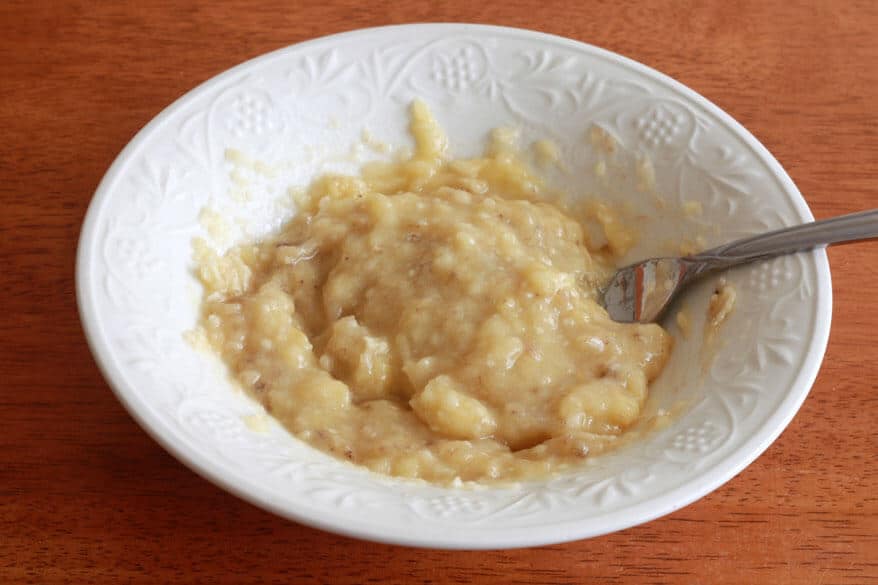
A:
[87, 497]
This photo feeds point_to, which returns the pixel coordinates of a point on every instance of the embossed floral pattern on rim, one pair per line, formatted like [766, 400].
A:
[568, 509]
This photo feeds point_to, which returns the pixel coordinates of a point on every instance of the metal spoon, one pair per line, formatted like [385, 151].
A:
[641, 292]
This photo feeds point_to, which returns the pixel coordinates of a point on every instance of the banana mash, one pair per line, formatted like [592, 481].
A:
[433, 318]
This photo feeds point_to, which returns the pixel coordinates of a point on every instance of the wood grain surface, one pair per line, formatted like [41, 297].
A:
[87, 497]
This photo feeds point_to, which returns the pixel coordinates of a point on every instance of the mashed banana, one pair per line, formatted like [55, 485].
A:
[432, 318]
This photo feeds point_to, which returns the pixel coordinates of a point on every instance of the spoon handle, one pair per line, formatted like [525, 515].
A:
[845, 228]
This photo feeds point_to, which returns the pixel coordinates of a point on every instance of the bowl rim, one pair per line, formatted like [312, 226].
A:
[650, 509]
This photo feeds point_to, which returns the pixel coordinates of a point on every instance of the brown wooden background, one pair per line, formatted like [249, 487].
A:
[87, 497]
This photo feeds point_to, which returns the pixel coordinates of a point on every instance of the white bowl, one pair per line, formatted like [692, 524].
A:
[137, 295]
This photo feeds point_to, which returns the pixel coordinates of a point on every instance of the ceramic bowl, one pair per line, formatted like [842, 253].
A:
[303, 110]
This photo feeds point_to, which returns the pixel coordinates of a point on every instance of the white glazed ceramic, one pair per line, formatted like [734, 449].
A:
[299, 107]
